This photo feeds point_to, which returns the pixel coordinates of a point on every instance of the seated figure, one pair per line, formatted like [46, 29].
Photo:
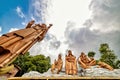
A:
[86, 62]
[57, 65]
[70, 64]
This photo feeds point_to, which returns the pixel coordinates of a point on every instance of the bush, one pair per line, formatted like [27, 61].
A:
[28, 63]
[91, 54]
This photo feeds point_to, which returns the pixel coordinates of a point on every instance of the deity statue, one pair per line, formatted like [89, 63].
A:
[86, 62]
[57, 65]
[70, 64]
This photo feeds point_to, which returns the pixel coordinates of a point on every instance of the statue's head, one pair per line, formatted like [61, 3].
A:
[59, 56]
[70, 53]
[55, 62]
[83, 54]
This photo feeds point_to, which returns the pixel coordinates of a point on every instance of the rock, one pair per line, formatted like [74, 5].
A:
[32, 74]
[93, 71]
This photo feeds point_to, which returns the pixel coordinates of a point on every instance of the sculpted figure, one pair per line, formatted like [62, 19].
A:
[57, 64]
[70, 64]
[104, 65]
[86, 62]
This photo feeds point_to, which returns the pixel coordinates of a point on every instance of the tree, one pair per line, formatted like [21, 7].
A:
[104, 48]
[28, 63]
[117, 65]
[108, 56]
[91, 54]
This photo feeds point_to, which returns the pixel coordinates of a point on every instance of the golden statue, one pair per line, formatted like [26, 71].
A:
[57, 65]
[86, 62]
[70, 64]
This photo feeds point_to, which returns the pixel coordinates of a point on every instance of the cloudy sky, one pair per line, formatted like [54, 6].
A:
[79, 25]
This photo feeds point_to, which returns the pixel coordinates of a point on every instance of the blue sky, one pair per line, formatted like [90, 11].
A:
[9, 17]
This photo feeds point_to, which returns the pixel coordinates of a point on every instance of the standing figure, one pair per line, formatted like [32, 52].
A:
[70, 64]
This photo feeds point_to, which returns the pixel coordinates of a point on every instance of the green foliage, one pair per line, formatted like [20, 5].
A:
[104, 48]
[117, 65]
[91, 54]
[97, 61]
[107, 55]
[28, 63]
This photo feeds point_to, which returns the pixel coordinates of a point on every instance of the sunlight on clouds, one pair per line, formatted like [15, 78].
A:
[59, 13]
[105, 15]
[37, 10]
[78, 25]
[19, 12]
[62, 11]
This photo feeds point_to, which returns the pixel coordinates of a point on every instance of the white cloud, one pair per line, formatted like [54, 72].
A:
[59, 13]
[85, 40]
[62, 11]
[13, 29]
[84, 29]
[105, 15]
[38, 10]
[0, 29]
[102, 27]
[23, 23]
[19, 12]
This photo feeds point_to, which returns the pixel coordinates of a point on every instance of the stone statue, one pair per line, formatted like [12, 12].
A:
[104, 65]
[86, 62]
[57, 65]
[70, 64]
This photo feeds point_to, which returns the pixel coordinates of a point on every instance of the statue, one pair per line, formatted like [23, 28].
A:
[86, 62]
[19, 42]
[57, 65]
[70, 64]
[104, 65]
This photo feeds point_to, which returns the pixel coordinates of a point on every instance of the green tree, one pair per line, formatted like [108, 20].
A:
[91, 54]
[28, 63]
[108, 56]
[104, 48]
[117, 65]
